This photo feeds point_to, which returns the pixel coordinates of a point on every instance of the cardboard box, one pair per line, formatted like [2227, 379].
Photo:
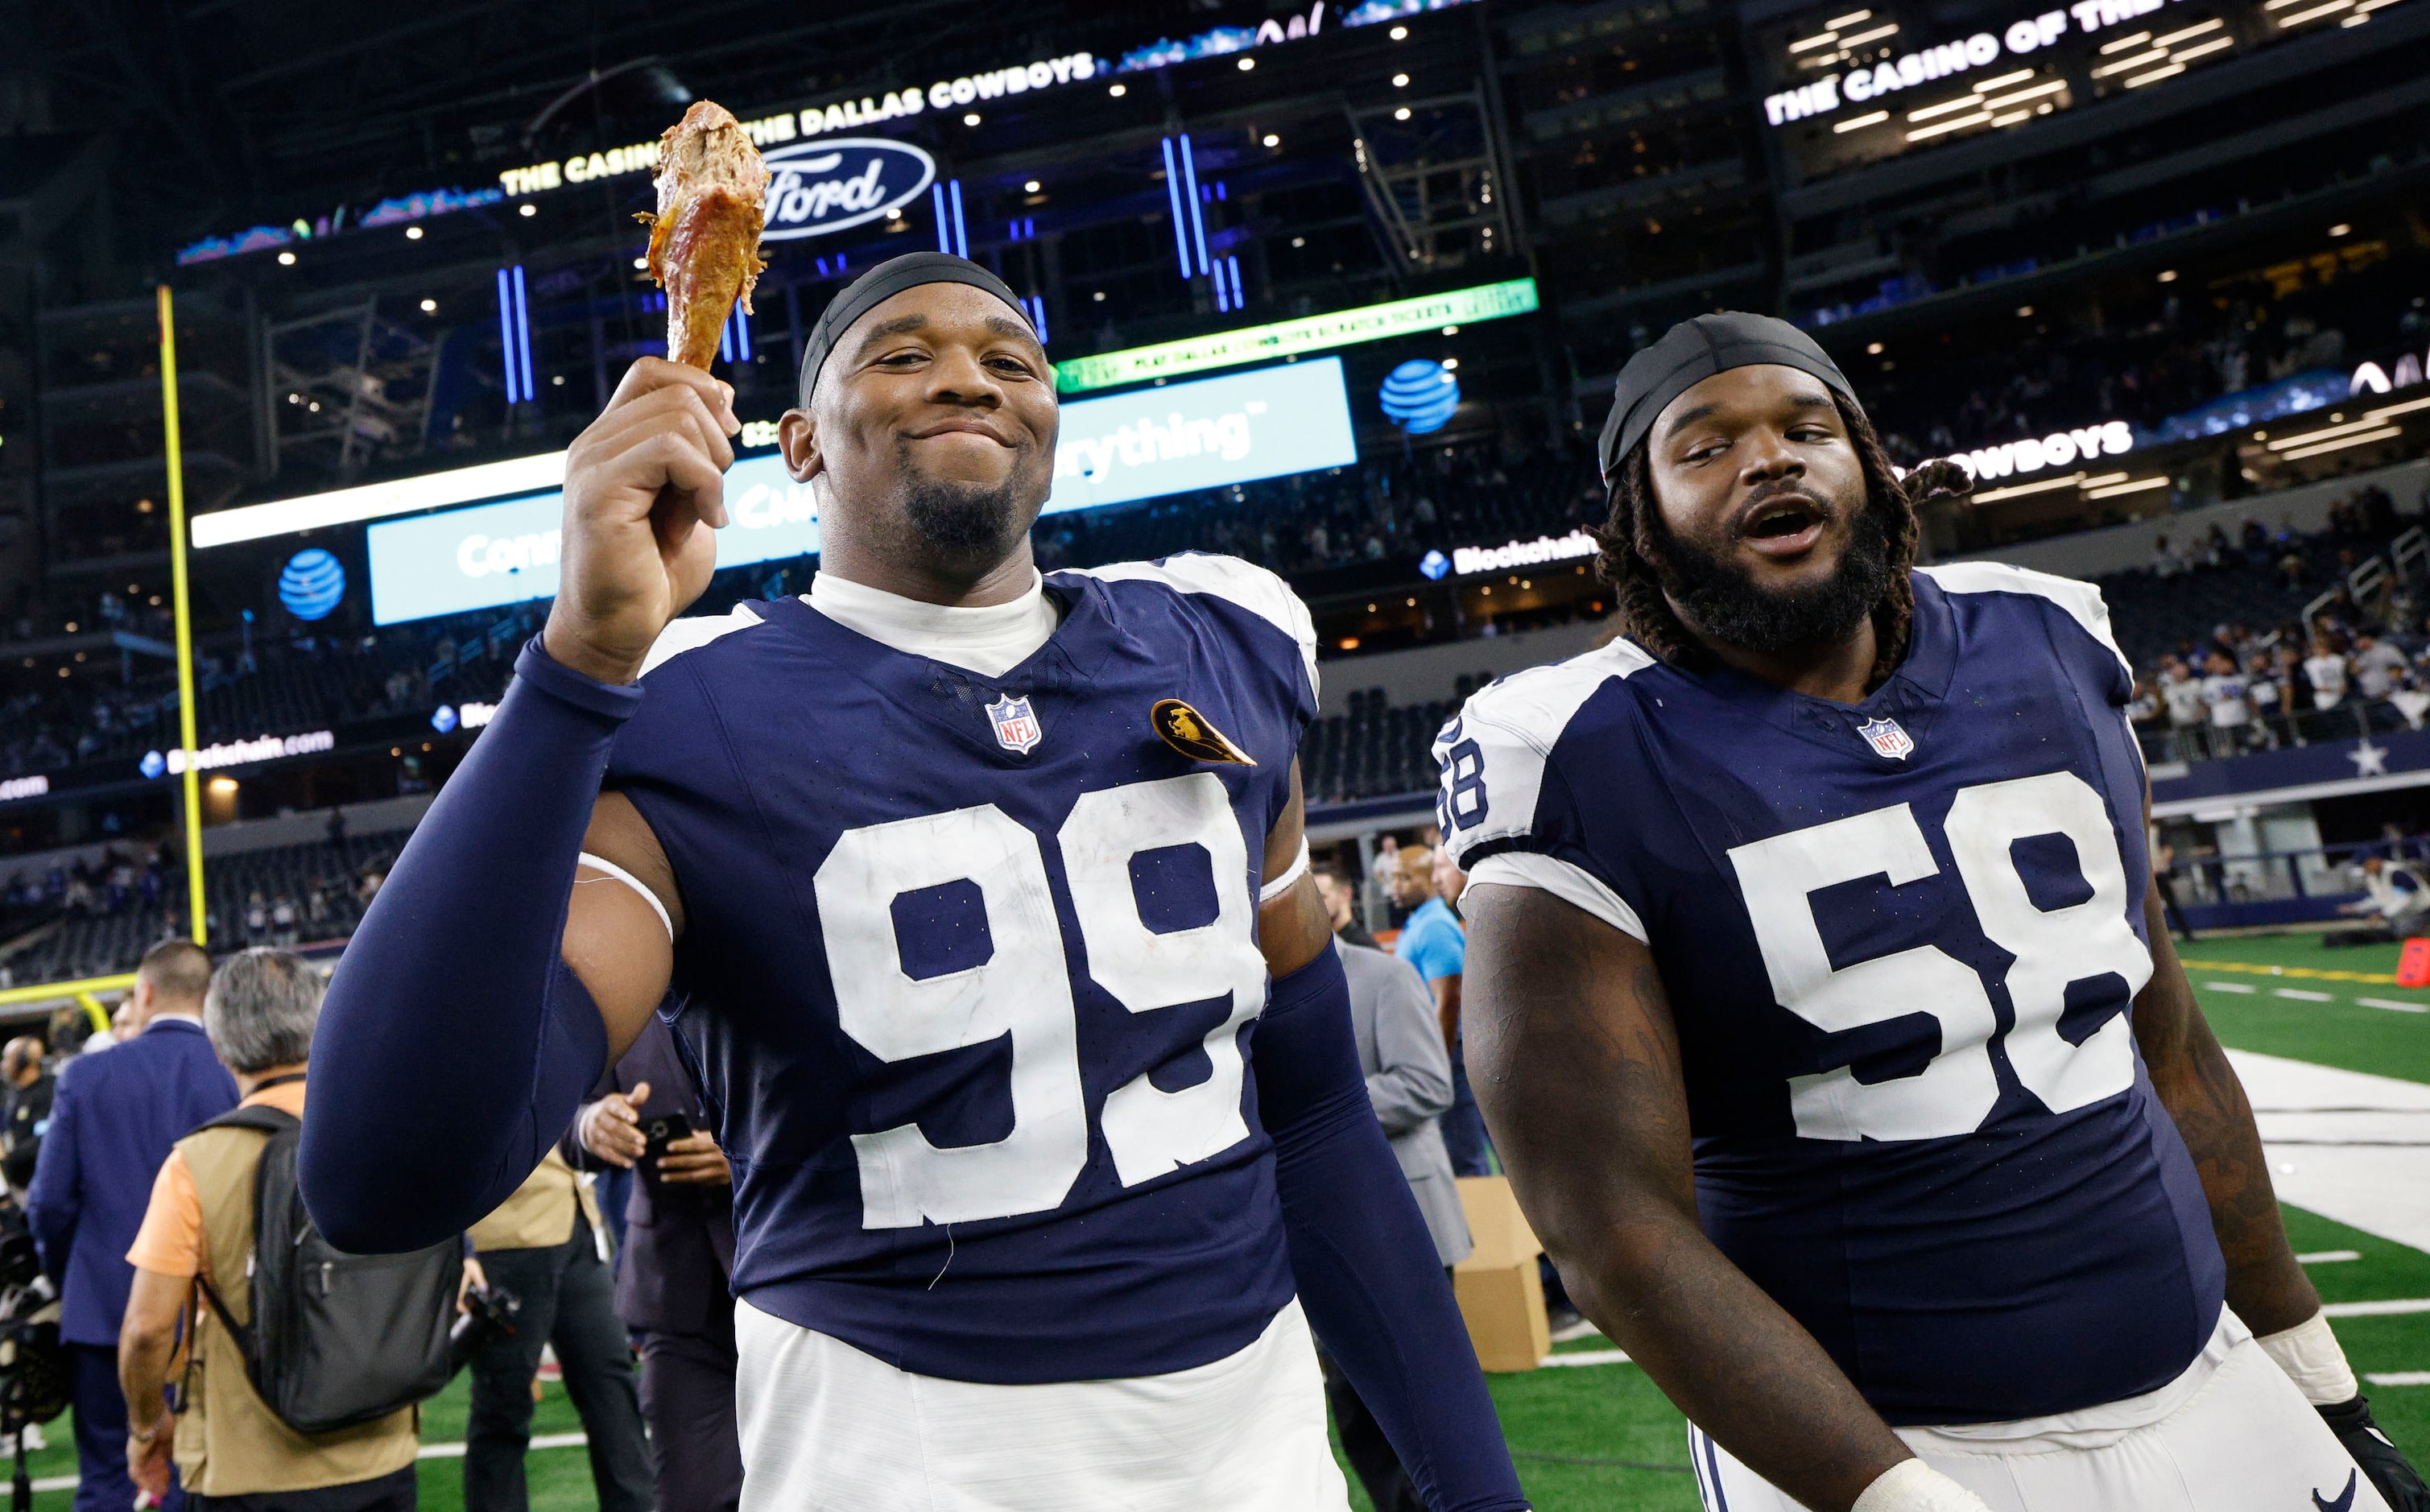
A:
[1501, 1294]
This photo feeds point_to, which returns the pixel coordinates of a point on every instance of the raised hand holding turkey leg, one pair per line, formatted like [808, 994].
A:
[640, 484]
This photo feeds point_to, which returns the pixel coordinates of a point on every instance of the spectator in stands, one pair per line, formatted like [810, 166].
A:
[2266, 694]
[1341, 906]
[2182, 692]
[2225, 694]
[2376, 662]
[2325, 671]
[2253, 539]
[672, 1282]
[1433, 943]
[234, 1452]
[2167, 561]
[113, 1119]
[544, 1244]
[1401, 1053]
[25, 1066]
[2409, 698]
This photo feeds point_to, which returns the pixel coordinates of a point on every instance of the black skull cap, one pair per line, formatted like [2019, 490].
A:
[1695, 350]
[882, 283]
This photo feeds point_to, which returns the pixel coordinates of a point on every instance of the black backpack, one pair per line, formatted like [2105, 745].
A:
[336, 1340]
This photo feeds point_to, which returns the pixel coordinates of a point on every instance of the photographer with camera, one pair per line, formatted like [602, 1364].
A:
[545, 1247]
[672, 1286]
[112, 1120]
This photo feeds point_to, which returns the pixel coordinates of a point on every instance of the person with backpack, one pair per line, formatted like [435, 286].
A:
[298, 1393]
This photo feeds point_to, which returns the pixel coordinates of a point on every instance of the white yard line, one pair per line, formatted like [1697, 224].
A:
[2366, 1164]
[2398, 1377]
[2245, 988]
[67, 1482]
[2327, 1256]
[1588, 1356]
[2301, 995]
[2392, 1005]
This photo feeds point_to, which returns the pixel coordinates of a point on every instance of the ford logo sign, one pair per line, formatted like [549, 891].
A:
[829, 185]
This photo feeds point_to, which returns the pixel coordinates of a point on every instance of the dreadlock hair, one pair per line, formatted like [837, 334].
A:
[1632, 535]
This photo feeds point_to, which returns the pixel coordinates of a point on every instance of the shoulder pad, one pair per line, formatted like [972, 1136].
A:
[691, 635]
[1513, 722]
[1253, 588]
[2081, 600]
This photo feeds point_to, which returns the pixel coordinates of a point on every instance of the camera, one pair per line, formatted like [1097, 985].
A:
[490, 1313]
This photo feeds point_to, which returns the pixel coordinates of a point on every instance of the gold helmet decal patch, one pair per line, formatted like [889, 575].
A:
[1190, 733]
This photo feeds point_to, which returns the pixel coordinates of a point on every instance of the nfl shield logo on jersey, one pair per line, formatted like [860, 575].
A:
[1016, 727]
[1888, 737]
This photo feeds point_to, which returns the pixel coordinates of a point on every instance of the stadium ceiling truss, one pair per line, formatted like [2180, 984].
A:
[1434, 173]
[221, 102]
[345, 386]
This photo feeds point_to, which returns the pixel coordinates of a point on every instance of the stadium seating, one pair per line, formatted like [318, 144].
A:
[90, 938]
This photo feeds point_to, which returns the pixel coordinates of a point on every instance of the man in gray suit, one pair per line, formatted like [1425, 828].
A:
[1408, 1081]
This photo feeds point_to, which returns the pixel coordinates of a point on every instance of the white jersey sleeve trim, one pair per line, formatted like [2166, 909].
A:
[1515, 722]
[2082, 601]
[691, 635]
[615, 873]
[1566, 880]
[1251, 586]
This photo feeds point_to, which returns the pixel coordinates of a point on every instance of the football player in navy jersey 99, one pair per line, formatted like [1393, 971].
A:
[1823, 1018]
[979, 905]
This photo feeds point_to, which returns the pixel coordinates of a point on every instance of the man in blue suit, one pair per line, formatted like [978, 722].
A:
[113, 1117]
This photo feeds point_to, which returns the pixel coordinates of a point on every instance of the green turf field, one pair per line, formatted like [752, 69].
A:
[1601, 1438]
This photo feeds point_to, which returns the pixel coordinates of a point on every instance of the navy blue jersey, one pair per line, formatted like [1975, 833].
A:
[970, 969]
[1901, 940]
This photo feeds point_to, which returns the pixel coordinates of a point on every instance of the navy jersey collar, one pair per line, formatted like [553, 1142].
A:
[1913, 695]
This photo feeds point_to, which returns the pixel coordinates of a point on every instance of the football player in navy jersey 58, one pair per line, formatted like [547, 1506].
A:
[979, 905]
[1822, 1014]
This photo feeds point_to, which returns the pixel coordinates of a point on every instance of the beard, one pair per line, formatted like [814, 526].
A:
[1722, 600]
[961, 521]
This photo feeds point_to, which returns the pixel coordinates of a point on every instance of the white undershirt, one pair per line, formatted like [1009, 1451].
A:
[990, 640]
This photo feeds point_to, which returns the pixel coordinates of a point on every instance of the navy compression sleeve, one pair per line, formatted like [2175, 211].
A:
[1364, 1264]
[454, 1043]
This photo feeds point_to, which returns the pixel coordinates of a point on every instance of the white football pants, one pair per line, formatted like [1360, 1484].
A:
[826, 1426]
[2230, 1434]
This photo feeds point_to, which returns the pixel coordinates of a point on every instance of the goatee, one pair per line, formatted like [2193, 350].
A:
[963, 520]
[1721, 599]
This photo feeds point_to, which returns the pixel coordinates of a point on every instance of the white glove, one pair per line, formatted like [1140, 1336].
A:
[1913, 1486]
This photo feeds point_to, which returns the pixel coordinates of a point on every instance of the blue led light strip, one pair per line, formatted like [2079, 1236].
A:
[1172, 192]
[944, 227]
[1190, 172]
[742, 329]
[507, 333]
[522, 335]
[961, 241]
[1238, 301]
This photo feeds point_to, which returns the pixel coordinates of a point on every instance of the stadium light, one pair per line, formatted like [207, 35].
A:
[528, 210]
[378, 501]
[413, 233]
